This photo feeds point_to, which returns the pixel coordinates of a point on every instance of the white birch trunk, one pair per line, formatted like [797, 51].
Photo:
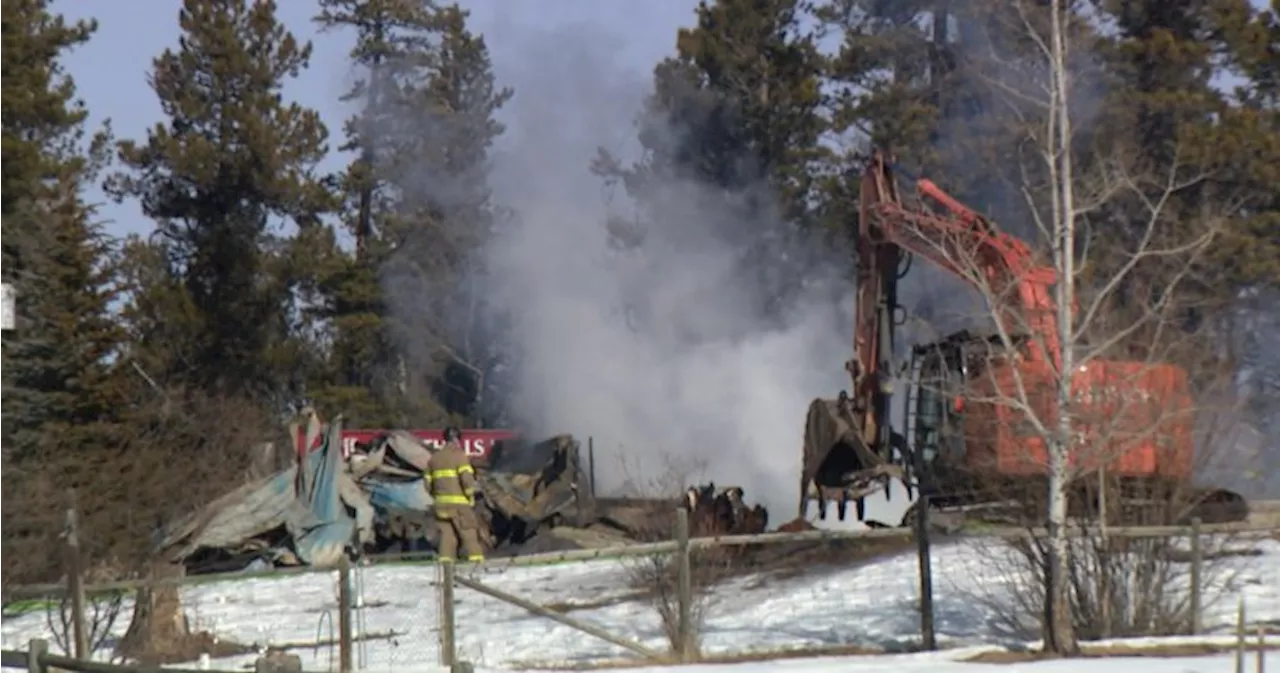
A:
[1059, 634]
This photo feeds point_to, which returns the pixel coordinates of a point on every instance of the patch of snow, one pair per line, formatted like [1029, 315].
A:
[871, 604]
[945, 664]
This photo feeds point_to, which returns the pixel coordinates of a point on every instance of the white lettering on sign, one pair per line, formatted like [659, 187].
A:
[473, 447]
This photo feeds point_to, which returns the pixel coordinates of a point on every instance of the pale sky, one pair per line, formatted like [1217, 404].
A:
[111, 70]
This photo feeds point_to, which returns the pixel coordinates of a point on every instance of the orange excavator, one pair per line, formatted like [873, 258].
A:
[978, 408]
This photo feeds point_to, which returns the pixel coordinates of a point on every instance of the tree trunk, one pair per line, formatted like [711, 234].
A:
[1059, 633]
[159, 628]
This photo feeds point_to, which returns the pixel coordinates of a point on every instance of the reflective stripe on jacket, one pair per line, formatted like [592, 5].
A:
[450, 478]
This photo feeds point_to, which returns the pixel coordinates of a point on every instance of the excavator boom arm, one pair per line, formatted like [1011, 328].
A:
[965, 244]
[958, 240]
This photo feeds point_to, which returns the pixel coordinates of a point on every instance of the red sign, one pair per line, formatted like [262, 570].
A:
[477, 443]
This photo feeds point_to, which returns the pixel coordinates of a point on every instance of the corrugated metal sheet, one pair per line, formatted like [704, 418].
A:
[266, 507]
[409, 448]
[385, 495]
[321, 538]
[322, 511]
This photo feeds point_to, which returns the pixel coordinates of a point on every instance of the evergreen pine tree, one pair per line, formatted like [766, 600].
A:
[737, 111]
[60, 388]
[231, 165]
[418, 207]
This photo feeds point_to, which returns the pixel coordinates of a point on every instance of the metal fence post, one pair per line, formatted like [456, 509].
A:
[1261, 663]
[1197, 562]
[591, 465]
[361, 627]
[1240, 635]
[344, 615]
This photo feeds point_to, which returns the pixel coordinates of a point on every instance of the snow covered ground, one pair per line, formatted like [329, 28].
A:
[945, 664]
[870, 605]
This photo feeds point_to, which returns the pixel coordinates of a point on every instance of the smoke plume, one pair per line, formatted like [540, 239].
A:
[658, 353]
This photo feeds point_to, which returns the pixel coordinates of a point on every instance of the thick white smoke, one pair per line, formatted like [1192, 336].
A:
[656, 354]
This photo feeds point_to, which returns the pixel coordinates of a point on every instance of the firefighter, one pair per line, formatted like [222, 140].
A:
[452, 483]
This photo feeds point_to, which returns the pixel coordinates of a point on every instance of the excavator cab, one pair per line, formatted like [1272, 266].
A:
[940, 414]
[936, 402]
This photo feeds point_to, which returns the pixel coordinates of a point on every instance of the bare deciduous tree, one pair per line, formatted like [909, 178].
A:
[103, 609]
[175, 456]
[1088, 363]
[1110, 383]
[656, 576]
[1120, 586]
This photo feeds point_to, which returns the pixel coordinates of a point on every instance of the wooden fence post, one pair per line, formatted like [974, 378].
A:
[1197, 566]
[36, 649]
[924, 559]
[685, 648]
[344, 615]
[448, 643]
[75, 584]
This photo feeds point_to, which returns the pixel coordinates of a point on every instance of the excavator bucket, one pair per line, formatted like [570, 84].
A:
[824, 430]
[838, 464]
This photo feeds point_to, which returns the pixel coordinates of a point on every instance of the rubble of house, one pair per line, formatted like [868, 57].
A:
[535, 497]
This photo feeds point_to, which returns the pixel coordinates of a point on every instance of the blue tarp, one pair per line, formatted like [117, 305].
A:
[321, 538]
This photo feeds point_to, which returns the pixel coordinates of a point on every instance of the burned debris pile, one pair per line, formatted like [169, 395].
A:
[534, 497]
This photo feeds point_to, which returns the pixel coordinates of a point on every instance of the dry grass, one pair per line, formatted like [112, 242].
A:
[791, 559]
[765, 563]
[1088, 651]
[194, 645]
[728, 658]
[1266, 512]
[1169, 650]
[565, 607]
[168, 459]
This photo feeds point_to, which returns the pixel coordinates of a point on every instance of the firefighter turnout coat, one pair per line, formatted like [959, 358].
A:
[452, 483]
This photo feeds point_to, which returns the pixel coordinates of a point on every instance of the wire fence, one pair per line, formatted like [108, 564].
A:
[689, 598]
